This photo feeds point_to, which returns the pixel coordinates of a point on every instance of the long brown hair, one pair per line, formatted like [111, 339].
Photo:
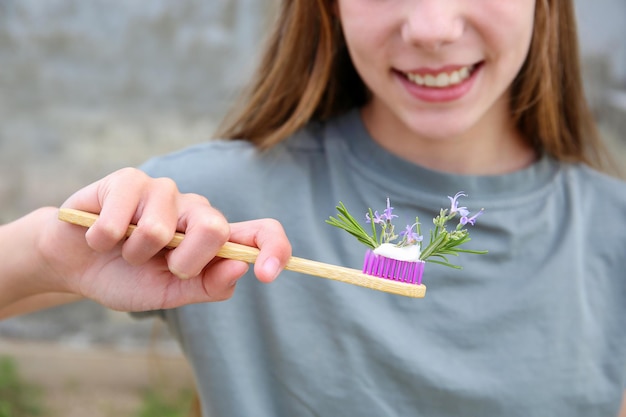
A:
[548, 100]
[306, 74]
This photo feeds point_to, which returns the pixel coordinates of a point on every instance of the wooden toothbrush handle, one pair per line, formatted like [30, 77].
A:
[232, 250]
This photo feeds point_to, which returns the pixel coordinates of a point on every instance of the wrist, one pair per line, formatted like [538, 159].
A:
[17, 261]
[52, 252]
[26, 269]
[30, 279]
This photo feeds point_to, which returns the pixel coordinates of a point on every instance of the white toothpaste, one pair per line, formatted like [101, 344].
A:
[409, 253]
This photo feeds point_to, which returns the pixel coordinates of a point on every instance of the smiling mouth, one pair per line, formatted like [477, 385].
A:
[441, 79]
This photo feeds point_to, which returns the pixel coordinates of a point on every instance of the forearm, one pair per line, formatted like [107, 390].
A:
[26, 282]
[36, 303]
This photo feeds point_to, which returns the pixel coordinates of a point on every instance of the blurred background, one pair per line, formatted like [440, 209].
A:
[87, 87]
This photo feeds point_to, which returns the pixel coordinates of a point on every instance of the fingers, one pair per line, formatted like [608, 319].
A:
[116, 198]
[216, 283]
[156, 217]
[206, 230]
[218, 277]
[269, 236]
[159, 210]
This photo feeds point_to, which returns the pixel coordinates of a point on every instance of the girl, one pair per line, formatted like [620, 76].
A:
[412, 100]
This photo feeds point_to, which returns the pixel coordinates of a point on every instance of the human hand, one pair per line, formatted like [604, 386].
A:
[136, 273]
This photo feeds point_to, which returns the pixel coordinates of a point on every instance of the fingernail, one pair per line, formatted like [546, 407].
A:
[272, 267]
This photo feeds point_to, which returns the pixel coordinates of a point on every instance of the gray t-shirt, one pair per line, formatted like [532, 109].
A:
[534, 328]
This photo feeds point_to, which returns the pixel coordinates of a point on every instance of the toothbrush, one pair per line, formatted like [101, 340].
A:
[380, 275]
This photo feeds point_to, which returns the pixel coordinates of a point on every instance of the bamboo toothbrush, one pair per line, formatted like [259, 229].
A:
[249, 254]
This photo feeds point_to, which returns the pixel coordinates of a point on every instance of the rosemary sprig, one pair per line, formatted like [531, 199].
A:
[348, 223]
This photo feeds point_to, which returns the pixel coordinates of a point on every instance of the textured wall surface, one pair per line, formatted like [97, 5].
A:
[87, 87]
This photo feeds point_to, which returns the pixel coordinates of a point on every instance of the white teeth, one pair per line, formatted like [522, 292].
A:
[455, 77]
[443, 79]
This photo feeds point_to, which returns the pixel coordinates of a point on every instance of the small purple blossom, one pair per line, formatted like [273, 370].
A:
[387, 215]
[454, 204]
[471, 220]
[409, 235]
[377, 218]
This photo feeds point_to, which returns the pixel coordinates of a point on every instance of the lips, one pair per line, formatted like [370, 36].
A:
[443, 84]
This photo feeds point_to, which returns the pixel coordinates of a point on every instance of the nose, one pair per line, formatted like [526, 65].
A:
[431, 24]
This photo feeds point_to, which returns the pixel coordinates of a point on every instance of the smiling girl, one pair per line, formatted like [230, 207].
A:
[361, 101]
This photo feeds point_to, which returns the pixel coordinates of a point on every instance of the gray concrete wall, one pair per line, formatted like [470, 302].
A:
[602, 27]
[87, 87]
[90, 86]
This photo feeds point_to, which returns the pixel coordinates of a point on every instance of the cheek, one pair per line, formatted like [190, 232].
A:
[357, 49]
[516, 27]
[366, 29]
[509, 35]
[355, 38]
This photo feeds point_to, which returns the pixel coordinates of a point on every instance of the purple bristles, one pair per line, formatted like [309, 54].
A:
[402, 271]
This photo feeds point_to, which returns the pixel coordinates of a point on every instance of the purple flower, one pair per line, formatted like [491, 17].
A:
[377, 218]
[454, 204]
[409, 235]
[387, 213]
[471, 220]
